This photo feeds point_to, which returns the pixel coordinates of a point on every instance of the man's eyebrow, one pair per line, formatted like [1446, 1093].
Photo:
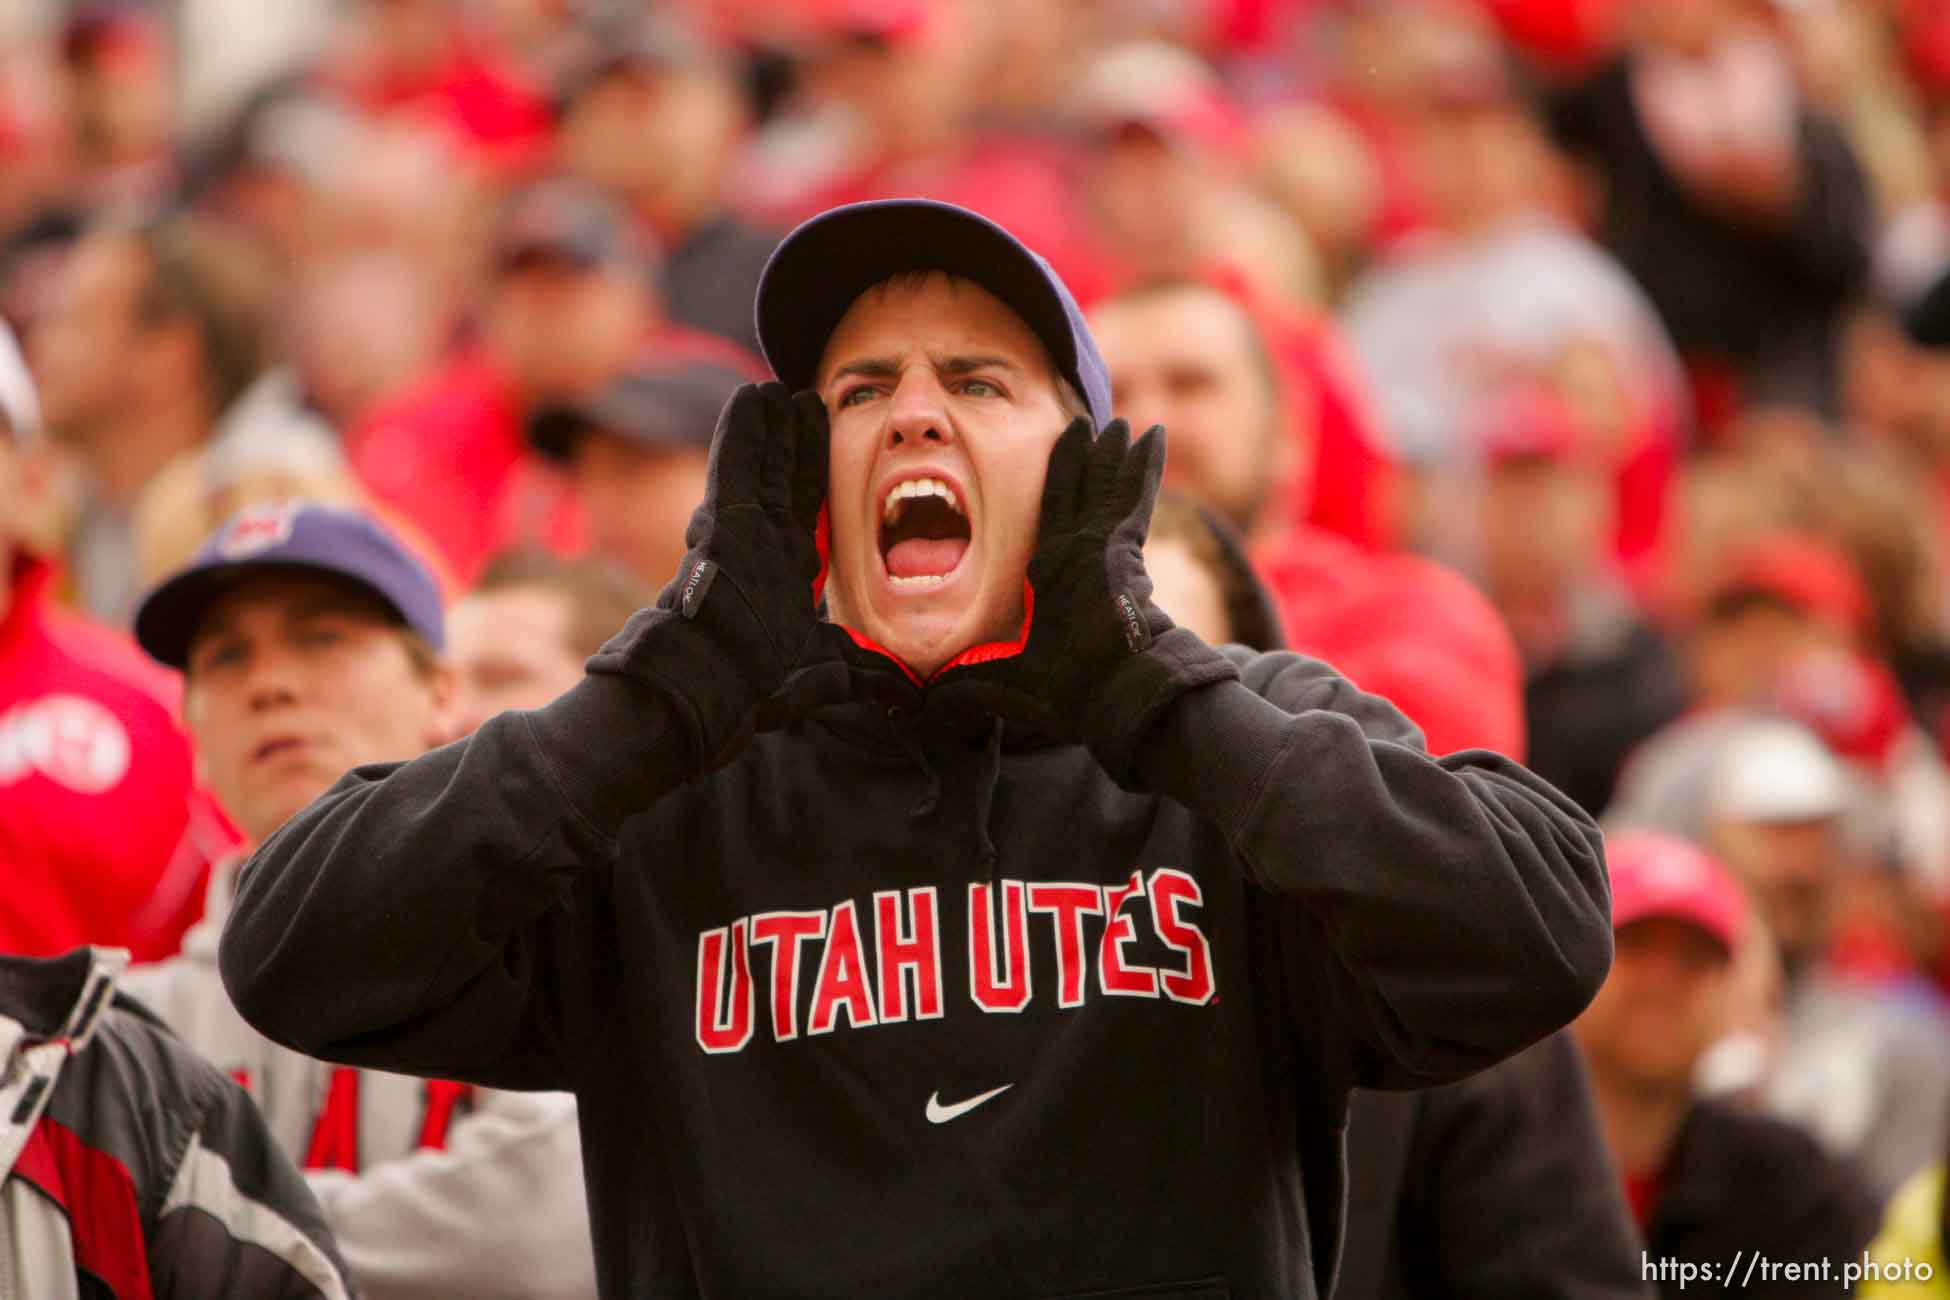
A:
[888, 367]
[210, 627]
[868, 367]
[963, 365]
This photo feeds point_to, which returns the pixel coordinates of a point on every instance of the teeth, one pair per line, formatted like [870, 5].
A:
[918, 580]
[918, 487]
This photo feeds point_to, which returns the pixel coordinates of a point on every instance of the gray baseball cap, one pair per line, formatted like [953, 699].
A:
[668, 400]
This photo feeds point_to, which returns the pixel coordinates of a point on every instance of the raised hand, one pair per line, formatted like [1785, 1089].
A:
[736, 637]
[1102, 662]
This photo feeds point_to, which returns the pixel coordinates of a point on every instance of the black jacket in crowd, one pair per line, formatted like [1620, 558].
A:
[1751, 1188]
[1500, 1185]
[904, 1004]
[1765, 299]
[1588, 710]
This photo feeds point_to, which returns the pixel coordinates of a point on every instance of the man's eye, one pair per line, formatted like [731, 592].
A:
[855, 396]
[501, 677]
[980, 388]
[322, 635]
[219, 656]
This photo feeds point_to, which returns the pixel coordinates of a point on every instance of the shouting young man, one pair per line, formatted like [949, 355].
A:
[913, 909]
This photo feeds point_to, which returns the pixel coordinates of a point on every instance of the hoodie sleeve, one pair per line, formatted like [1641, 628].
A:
[1449, 912]
[418, 917]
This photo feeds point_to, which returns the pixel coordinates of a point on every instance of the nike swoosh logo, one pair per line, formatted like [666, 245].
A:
[940, 1114]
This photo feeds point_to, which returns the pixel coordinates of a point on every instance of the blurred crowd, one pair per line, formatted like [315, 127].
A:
[1574, 372]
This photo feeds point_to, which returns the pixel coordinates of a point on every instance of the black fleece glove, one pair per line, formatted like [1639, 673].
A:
[735, 640]
[1102, 662]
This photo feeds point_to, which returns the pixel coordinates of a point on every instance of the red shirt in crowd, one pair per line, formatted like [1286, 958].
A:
[1407, 628]
[104, 838]
[450, 456]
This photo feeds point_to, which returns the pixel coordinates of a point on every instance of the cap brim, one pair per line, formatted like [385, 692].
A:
[815, 275]
[167, 619]
[554, 431]
[1927, 322]
[1697, 916]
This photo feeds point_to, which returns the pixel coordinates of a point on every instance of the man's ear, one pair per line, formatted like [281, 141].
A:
[47, 495]
[188, 707]
[443, 722]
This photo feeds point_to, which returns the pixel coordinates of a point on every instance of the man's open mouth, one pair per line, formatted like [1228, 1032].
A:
[923, 533]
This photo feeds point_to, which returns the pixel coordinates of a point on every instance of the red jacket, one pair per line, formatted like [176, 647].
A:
[449, 456]
[1407, 628]
[104, 838]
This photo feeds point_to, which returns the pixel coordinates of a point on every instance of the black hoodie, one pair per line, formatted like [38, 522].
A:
[804, 1072]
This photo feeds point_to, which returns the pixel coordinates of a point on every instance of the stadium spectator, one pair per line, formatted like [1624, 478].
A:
[1496, 288]
[520, 637]
[154, 347]
[311, 641]
[1598, 676]
[118, 97]
[636, 453]
[1691, 1166]
[1740, 208]
[885, 100]
[568, 305]
[1864, 1067]
[130, 1166]
[915, 366]
[655, 117]
[1777, 600]
[423, 57]
[1162, 176]
[1189, 356]
[103, 835]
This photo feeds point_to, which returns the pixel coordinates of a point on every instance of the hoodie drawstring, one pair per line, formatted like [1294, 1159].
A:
[911, 743]
[985, 800]
[985, 787]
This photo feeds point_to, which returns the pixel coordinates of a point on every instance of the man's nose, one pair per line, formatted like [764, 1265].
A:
[918, 410]
[270, 678]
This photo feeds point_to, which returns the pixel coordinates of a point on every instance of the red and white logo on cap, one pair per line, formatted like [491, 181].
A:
[69, 739]
[258, 528]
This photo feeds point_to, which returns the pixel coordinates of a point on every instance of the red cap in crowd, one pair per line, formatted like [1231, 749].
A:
[1803, 572]
[1530, 423]
[1168, 92]
[1655, 875]
[1851, 701]
[1926, 46]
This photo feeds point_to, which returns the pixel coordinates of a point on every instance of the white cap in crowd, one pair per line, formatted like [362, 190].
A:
[1775, 771]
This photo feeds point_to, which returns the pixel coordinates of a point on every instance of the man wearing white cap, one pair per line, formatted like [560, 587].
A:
[1863, 1067]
